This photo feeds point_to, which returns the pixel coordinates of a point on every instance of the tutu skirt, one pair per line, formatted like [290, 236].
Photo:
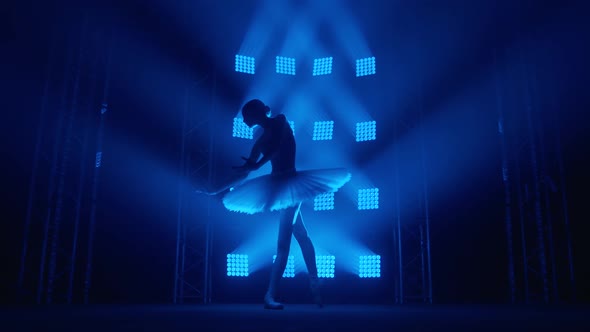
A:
[274, 192]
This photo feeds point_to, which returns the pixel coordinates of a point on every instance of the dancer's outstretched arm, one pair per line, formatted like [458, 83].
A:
[232, 181]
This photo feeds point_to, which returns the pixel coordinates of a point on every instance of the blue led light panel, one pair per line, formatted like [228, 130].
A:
[322, 66]
[245, 64]
[326, 266]
[289, 269]
[285, 65]
[237, 265]
[370, 266]
[241, 130]
[366, 131]
[324, 202]
[323, 130]
[365, 67]
[292, 125]
[368, 199]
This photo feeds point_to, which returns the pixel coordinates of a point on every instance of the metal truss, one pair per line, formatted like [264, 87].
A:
[192, 282]
[412, 235]
[57, 222]
[536, 217]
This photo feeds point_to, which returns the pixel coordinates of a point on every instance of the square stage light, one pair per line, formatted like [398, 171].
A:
[323, 130]
[368, 199]
[289, 269]
[326, 266]
[366, 131]
[285, 65]
[241, 130]
[365, 67]
[292, 125]
[324, 202]
[237, 265]
[370, 266]
[322, 66]
[245, 64]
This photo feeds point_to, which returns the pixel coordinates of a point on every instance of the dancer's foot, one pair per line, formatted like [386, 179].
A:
[315, 291]
[270, 303]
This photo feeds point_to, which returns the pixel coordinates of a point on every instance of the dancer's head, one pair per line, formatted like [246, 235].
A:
[255, 112]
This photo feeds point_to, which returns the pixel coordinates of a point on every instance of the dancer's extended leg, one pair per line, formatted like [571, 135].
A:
[308, 251]
[283, 245]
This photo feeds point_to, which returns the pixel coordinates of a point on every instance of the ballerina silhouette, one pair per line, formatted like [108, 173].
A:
[284, 189]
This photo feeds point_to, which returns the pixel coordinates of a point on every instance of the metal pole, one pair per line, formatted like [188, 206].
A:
[52, 180]
[398, 226]
[98, 163]
[208, 231]
[506, 181]
[543, 175]
[81, 183]
[182, 171]
[426, 206]
[33, 178]
[537, 190]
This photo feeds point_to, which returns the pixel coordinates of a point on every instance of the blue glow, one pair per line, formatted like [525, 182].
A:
[245, 64]
[324, 202]
[237, 265]
[289, 269]
[322, 66]
[285, 65]
[323, 130]
[365, 67]
[292, 124]
[98, 159]
[370, 266]
[368, 199]
[366, 131]
[326, 266]
[241, 130]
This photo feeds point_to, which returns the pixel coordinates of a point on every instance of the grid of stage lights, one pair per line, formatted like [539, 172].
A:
[289, 269]
[241, 130]
[285, 65]
[245, 64]
[322, 66]
[365, 67]
[325, 265]
[370, 266]
[323, 130]
[237, 265]
[366, 131]
[324, 202]
[368, 199]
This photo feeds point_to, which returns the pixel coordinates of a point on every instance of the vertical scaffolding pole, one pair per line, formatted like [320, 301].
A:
[506, 182]
[34, 173]
[96, 171]
[540, 230]
[398, 227]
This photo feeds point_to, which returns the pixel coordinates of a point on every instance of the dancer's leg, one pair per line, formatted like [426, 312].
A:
[308, 251]
[307, 248]
[283, 245]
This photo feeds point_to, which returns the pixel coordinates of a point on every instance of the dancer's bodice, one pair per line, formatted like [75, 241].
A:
[279, 136]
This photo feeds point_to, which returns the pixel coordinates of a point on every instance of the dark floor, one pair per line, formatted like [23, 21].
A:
[236, 318]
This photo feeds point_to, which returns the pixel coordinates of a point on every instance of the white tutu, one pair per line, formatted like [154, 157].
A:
[274, 192]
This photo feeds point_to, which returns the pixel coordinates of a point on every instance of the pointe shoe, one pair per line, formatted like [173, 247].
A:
[315, 291]
[270, 303]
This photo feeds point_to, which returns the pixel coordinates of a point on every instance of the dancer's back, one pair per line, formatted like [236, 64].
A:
[280, 136]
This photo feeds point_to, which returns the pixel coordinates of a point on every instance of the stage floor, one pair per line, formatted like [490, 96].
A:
[237, 318]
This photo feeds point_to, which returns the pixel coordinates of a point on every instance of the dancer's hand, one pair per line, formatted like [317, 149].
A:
[248, 166]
